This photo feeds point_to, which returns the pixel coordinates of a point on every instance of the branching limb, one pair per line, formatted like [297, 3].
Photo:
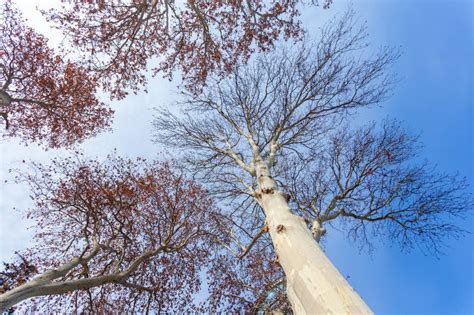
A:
[255, 239]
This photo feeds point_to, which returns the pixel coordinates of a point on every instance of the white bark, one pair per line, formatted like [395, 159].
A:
[44, 284]
[39, 287]
[314, 285]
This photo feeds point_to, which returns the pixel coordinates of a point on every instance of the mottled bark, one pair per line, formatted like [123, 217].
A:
[314, 285]
[278, 117]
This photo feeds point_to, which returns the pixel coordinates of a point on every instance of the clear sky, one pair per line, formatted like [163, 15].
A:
[435, 98]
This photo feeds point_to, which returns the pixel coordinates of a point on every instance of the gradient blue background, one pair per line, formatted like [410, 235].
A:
[434, 98]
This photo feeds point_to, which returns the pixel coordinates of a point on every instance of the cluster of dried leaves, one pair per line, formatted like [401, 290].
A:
[198, 38]
[139, 228]
[52, 100]
[135, 235]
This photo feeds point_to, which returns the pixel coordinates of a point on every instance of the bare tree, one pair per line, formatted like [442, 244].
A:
[268, 134]
[369, 179]
[120, 236]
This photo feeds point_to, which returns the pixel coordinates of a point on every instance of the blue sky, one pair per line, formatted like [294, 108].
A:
[434, 97]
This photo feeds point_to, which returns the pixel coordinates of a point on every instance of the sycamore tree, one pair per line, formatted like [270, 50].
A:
[272, 141]
[123, 235]
[49, 99]
[44, 97]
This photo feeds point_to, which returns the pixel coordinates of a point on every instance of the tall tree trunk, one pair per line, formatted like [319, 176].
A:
[314, 285]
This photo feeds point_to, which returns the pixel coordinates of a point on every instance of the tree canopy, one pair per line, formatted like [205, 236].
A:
[267, 160]
[48, 99]
[198, 38]
[121, 235]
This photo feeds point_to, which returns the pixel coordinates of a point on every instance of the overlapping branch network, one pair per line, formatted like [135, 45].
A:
[285, 109]
[121, 235]
[199, 38]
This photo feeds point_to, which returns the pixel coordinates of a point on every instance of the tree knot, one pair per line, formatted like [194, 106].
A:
[268, 191]
[280, 228]
[265, 228]
[285, 195]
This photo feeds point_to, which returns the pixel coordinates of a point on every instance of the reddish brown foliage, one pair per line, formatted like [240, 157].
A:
[199, 37]
[253, 284]
[130, 207]
[14, 274]
[52, 99]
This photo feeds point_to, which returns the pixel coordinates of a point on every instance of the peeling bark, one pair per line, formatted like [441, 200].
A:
[314, 284]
